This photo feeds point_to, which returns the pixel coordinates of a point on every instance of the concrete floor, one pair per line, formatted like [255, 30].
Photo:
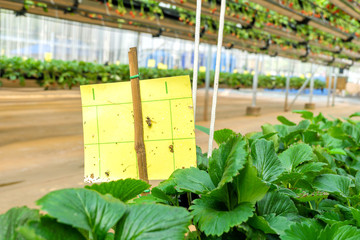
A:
[41, 146]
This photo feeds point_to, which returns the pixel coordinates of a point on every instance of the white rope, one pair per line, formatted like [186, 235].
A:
[196, 53]
[217, 73]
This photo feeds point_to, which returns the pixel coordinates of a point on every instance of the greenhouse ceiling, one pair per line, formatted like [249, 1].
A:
[323, 32]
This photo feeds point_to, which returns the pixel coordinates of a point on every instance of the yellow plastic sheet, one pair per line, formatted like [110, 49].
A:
[48, 56]
[108, 125]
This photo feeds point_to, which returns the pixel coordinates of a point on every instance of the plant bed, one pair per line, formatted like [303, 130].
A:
[68, 74]
[291, 181]
[18, 84]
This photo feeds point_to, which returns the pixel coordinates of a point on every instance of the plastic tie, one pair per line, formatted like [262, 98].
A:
[135, 76]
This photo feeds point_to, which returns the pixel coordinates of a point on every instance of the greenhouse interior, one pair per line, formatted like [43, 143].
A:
[179, 119]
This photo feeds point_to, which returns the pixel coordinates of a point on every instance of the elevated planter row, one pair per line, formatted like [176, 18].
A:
[312, 21]
[327, 48]
[282, 33]
[326, 27]
[169, 27]
[283, 10]
[349, 7]
[205, 10]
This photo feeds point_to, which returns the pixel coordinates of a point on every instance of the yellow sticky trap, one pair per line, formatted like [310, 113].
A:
[108, 124]
[162, 66]
[48, 56]
[202, 69]
[151, 63]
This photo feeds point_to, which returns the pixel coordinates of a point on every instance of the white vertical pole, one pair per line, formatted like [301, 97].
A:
[40, 39]
[18, 36]
[246, 60]
[334, 89]
[196, 53]
[207, 81]
[255, 80]
[217, 74]
[52, 44]
[138, 42]
[329, 85]
[290, 72]
[311, 84]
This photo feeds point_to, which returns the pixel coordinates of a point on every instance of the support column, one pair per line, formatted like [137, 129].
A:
[329, 86]
[334, 89]
[310, 105]
[253, 110]
[290, 72]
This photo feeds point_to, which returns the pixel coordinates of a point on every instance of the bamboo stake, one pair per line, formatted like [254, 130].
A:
[138, 119]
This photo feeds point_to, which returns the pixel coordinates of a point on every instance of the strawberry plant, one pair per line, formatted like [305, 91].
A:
[74, 73]
[290, 181]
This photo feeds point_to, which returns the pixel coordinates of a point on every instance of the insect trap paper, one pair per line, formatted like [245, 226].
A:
[108, 125]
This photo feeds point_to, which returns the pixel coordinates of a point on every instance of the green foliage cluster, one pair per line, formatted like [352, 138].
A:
[290, 182]
[74, 73]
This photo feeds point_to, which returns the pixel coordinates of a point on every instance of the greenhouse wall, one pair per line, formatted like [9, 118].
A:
[43, 37]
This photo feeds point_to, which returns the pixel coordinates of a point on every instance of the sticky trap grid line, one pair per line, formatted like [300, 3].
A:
[98, 133]
[172, 133]
[114, 104]
[154, 140]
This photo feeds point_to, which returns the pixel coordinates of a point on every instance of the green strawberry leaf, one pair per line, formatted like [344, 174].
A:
[214, 218]
[202, 161]
[285, 121]
[265, 160]
[310, 167]
[338, 232]
[295, 155]
[249, 187]
[159, 194]
[332, 183]
[49, 228]
[14, 218]
[226, 162]
[193, 180]
[153, 222]
[84, 208]
[221, 136]
[203, 129]
[278, 223]
[302, 231]
[305, 114]
[124, 190]
[277, 203]
[337, 151]
[270, 133]
[260, 223]
[357, 114]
